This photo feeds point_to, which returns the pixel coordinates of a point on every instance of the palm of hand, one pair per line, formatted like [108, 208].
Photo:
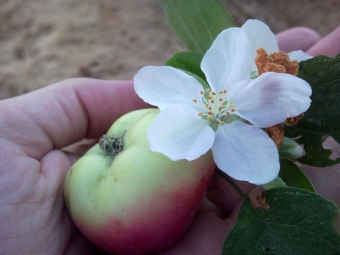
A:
[34, 217]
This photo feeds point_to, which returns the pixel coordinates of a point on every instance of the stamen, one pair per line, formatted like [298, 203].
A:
[194, 100]
[217, 106]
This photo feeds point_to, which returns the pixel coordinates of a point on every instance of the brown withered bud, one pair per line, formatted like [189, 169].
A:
[293, 120]
[278, 62]
[276, 133]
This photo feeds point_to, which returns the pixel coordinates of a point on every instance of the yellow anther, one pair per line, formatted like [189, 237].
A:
[232, 110]
[222, 122]
[227, 113]
[212, 101]
[224, 91]
[220, 99]
[231, 104]
[209, 117]
[199, 114]
[194, 100]
[214, 93]
[201, 92]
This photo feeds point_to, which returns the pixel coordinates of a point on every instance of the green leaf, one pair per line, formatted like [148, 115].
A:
[293, 176]
[323, 74]
[197, 22]
[297, 222]
[187, 61]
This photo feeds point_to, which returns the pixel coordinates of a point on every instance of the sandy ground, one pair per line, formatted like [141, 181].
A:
[45, 41]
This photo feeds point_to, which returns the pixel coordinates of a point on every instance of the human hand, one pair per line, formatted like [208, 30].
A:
[35, 128]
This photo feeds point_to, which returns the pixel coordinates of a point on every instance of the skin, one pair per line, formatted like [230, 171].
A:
[36, 128]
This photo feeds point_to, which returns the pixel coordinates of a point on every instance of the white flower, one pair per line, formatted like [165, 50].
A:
[228, 118]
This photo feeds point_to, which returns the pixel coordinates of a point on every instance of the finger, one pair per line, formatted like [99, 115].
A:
[76, 150]
[205, 235]
[329, 45]
[224, 196]
[66, 112]
[80, 245]
[326, 180]
[298, 38]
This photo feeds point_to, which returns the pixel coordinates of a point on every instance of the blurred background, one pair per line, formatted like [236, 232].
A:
[45, 41]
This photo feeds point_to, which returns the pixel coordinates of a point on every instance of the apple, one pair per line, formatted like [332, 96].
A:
[130, 200]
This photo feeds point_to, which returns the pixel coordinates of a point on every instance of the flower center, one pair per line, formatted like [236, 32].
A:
[216, 106]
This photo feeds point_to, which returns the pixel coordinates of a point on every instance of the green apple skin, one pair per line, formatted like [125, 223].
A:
[141, 202]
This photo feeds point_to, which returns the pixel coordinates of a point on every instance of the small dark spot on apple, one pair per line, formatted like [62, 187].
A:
[71, 171]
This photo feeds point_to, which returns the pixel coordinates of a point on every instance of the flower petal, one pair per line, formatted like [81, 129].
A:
[271, 98]
[179, 133]
[246, 153]
[260, 36]
[298, 55]
[228, 60]
[165, 86]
